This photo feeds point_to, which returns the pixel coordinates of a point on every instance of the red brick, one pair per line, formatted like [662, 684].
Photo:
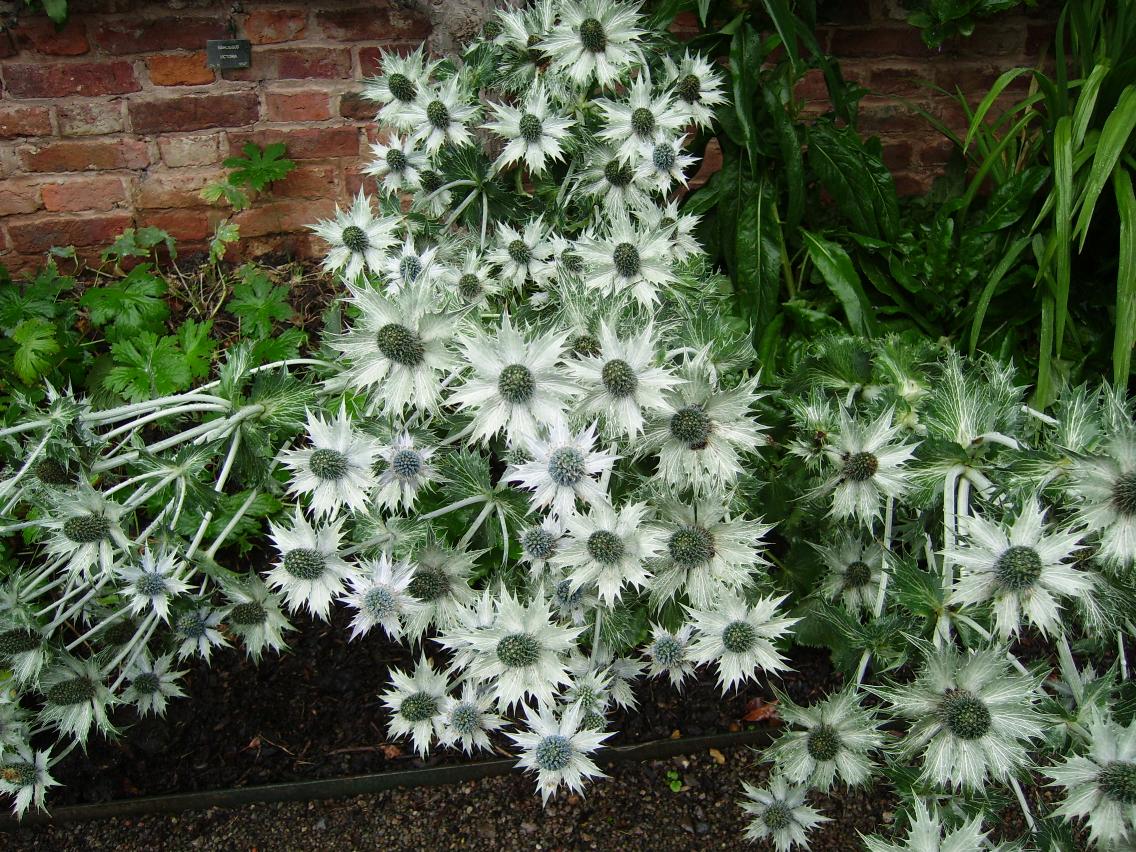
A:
[309, 143]
[283, 217]
[883, 116]
[179, 69]
[307, 181]
[42, 232]
[974, 80]
[58, 80]
[904, 80]
[296, 63]
[354, 180]
[179, 151]
[78, 156]
[1039, 37]
[353, 105]
[297, 106]
[179, 188]
[913, 183]
[24, 121]
[272, 26]
[166, 33]
[936, 152]
[90, 118]
[183, 225]
[897, 155]
[811, 86]
[44, 37]
[369, 23]
[371, 58]
[996, 37]
[193, 112]
[902, 40]
[19, 196]
[95, 193]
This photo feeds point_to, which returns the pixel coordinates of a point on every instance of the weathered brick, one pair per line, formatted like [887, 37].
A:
[295, 63]
[353, 105]
[24, 121]
[180, 151]
[179, 69]
[368, 23]
[282, 217]
[898, 155]
[44, 37]
[309, 143]
[272, 26]
[183, 225]
[19, 196]
[166, 33]
[996, 37]
[371, 58]
[84, 155]
[193, 112]
[40, 233]
[307, 181]
[903, 80]
[879, 115]
[901, 40]
[76, 194]
[935, 152]
[913, 183]
[59, 80]
[297, 106]
[179, 188]
[975, 80]
[354, 180]
[86, 118]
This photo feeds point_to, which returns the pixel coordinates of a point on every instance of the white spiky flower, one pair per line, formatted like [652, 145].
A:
[85, 530]
[557, 749]
[643, 120]
[24, 776]
[516, 384]
[534, 132]
[869, 461]
[697, 87]
[971, 719]
[594, 39]
[610, 548]
[629, 260]
[468, 720]
[835, 737]
[522, 255]
[415, 704]
[1100, 785]
[406, 265]
[677, 228]
[572, 603]
[358, 240]
[663, 163]
[397, 164]
[855, 571]
[311, 571]
[779, 814]
[197, 630]
[379, 596]
[540, 543]
[669, 653]
[590, 690]
[14, 722]
[433, 196]
[439, 116]
[1103, 489]
[399, 86]
[563, 469]
[1022, 571]
[398, 344]
[474, 281]
[708, 551]
[152, 582]
[152, 684]
[926, 833]
[408, 470]
[440, 582]
[22, 651]
[739, 637]
[623, 381]
[619, 185]
[254, 614]
[76, 697]
[336, 469]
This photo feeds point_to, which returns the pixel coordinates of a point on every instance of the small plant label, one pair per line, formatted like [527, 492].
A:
[228, 53]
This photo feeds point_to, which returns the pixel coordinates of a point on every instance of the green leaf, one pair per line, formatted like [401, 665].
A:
[859, 183]
[147, 366]
[784, 21]
[1010, 200]
[258, 168]
[134, 302]
[279, 347]
[996, 276]
[1114, 139]
[138, 243]
[56, 10]
[1125, 280]
[258, 303]
[35, 342]
[197, 346]
[835, 266]
[1063, 213]
[227, 232]
[757, 251]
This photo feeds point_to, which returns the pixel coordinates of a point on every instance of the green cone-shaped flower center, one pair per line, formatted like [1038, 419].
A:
[51, 472]
[438, 115]
[518, 650]
[406, 463]
[566, 466]
[396, 160]
[860, 467]
[492, 28]
[429, 583]
[593, 721]
[248, 614]
[663, 157]
[1018, 568]
[965, 714]
[739, 637]
[465, 718]
[150, 584]
[536, 57]
[605, 547]
[18, 641]
[192, 625]
[400, 345]
[618, 173]
[146, 683]
[86, 529]
[592, 35]
[410, 267]
[73, 691]
[1118, 781]
[553, 753]
[431, 180]
[538, 542]
[642, 121]
[418, 707]
[777, 816]
[328, 464]
[586, 345]
[304, 563]
[857, 574]
[667, 650]
[402, 87]
[355, 238]
[572, 261]
[519, 252]
[824, 743]
[1124, 494]
[618, 377]
[691, 545]
[531, 128]
[692, 426]
[625, 259]
[20, 774]
[379, 603]
[469, 286]
[566, 598]
[121, 632]
[689, 88]
[516, 384]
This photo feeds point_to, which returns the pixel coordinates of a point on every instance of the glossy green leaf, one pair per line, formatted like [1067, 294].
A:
[996, 276]
[1114, 139]
[835, 266]
[1125, 280]
[1063, 212]
[757, 251]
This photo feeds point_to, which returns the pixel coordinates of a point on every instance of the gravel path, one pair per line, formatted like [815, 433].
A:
[633, 809]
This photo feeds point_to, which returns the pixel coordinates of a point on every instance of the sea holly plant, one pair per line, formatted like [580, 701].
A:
[541, 452]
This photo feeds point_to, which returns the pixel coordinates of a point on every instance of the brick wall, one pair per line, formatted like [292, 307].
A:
[114, 120]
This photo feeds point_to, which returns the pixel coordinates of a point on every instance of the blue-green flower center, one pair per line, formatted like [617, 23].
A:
[20, 774]
[692, 426]
[402, 87]
[75, 690]
[400, 345]
[248, 614]
[619, 378]
[355, 238]
[410, 267]
[396, 160]
[566, 466]
[429, 583]
[379, 603]
[520, 252]
[691, 545]
[586, 345]
[18, 641]
[51, 472]
[965, 714]
[667, 650]
[1124, 493]
[328, 464]
[1018, 568]
[406, 464]
[823, 743]
[663, 157]
[418, 707]
[304, 563]
[860, 467]
[625, 259]
[642, 121]
[605, 547]
[553, 753]
[150, 584]
[592, 35]
[465, 718]
[739, 637]
[1118, 781]
[469, 285]
[538, 542]
[438, 115]
[431, 180]
[518, 650]
[86, 529]
[516, 384]
[192, 625]
[566, 597]
[531, 128]
[777, 816]
[147, 683]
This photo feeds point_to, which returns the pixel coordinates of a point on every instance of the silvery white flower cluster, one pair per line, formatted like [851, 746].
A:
[538, 453]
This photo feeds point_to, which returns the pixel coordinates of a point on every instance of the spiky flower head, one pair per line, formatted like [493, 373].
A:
[534, 132]
[254, 614]
[397, 164]
[403, 80]
[152, 581]
[610, 548]
[594, 39]
[85, 530]
[669, 653]
[779, 814]
[855, 571]
[557, 749]
[24, 775]
[697, 87]
[563, 469]
[468, 720]
[926, 832]
[739, 638]
[152, 683]
[646, 117]
[379, 596]
[310, 571]
[357, 239]
[197, 630]
[75, 697]
[441, 583]
[335, 470]
[415, 703]
[869, 460]
[1103, 489]
[407, 470]
[628, 259]
[23, 650]
[522, 255]
[440, 115]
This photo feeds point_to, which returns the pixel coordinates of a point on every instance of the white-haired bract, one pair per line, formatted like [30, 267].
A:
[152, 582]
[557, 749]
[336, 469]
[311, 571]
[869, 463]
[738, 637]
[594, 39]
[379, 596]
[563, 469]
[415, 703]
[358, 240]
[779, 814]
